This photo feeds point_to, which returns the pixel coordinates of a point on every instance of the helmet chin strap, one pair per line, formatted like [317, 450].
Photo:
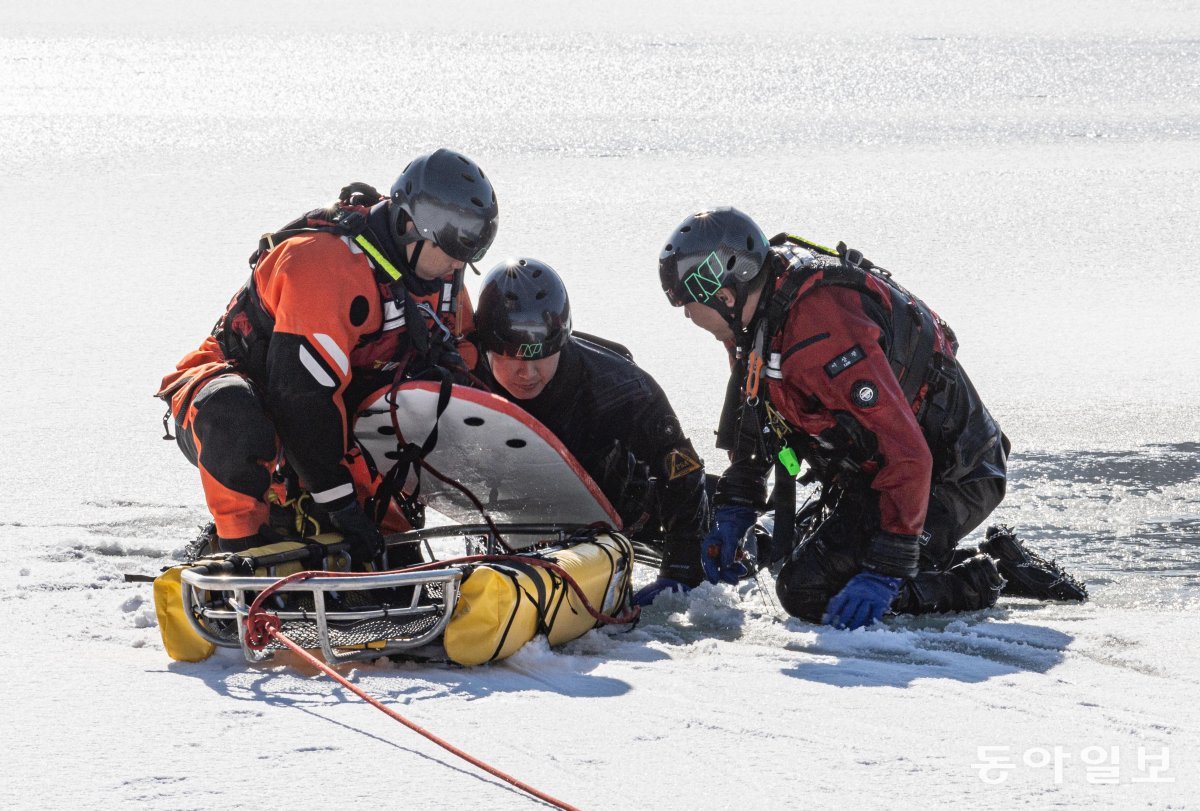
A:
[416, 254]
[732, 313]
[402, 238]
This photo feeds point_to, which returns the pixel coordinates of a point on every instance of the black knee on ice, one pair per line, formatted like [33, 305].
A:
[801, 594]
[817, 570]
[236, 438]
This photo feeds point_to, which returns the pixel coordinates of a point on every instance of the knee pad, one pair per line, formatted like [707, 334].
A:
[236, 440]
[816, 572]
[801, 593]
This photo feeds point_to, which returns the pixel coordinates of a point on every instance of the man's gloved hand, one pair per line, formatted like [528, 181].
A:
[359, 194]
[862, 601]
[365, 540]
[456, 366]
[627, 484]
[719, 549]
[647, 594]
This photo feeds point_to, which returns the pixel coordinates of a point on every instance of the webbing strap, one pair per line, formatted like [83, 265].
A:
[511, 575]
[380, 260]
[411, 455]
[545, 614]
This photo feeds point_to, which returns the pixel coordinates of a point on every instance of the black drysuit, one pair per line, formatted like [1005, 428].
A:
[615, 419]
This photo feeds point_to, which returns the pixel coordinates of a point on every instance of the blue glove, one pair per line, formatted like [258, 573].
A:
[862, 601]
[718, 550]
[647, 594]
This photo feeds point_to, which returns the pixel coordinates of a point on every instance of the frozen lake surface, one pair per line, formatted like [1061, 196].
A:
[1032, 173]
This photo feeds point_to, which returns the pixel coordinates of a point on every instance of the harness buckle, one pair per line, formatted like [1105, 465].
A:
[428, 309]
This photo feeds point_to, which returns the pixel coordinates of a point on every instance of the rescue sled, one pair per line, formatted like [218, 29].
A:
[545, 561]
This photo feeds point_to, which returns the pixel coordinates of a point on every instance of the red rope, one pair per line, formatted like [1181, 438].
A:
[280, 637]
[262, 627]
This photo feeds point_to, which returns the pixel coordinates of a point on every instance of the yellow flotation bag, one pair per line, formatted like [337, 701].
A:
[501, 606]
[180, 639]
[280, 559]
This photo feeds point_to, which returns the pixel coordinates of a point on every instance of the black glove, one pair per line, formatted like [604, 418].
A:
[359, 194]
[626, 483]
[454, 364]
[365, 540]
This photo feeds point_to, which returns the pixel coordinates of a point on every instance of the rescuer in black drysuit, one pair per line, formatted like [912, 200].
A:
[610, 414]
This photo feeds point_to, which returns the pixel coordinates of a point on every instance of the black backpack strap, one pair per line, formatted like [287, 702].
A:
[409, 455]
[340, 221]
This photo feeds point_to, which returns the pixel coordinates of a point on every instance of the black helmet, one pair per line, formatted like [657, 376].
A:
[523, 310]
[721, 247]
[449, 201]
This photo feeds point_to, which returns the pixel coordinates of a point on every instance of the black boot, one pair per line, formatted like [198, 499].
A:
[968, 586]
[1027, 573]
[205, 544]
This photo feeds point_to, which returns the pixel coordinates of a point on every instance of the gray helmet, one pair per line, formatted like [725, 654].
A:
[523, 311]
[449, 201]
[721, 247]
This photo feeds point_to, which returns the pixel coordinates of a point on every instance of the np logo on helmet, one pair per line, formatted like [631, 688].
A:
[529, 351]
[704, 282]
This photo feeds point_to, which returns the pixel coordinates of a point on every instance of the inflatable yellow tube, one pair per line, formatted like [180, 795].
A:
[180, 639]
[501, 606]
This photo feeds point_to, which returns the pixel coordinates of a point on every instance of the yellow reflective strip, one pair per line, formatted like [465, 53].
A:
[378, 257]
[813, 245]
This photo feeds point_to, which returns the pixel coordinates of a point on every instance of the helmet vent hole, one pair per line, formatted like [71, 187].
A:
[474, 422]
[541, 294]
[685, 229]
[515, 443]
[408, 187]
[749, 243]
[477, 201]
[730, 263]
[463, 159]
[470, 179]
[522, 262]
[670, 247]
[536, 272]
[512, 296]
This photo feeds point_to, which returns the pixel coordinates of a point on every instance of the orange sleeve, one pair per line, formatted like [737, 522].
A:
[323, 298]
[465, 326]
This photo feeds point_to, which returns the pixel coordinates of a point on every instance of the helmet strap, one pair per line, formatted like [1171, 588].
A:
[768, 290]
[416, 254]
[731, 313]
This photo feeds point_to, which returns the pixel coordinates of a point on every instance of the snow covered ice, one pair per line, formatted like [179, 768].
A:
[1032, 171]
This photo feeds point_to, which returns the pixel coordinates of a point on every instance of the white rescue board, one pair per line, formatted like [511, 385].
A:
[511, 462]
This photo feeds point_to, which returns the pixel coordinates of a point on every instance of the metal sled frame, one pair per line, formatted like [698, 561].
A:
[426, 608]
